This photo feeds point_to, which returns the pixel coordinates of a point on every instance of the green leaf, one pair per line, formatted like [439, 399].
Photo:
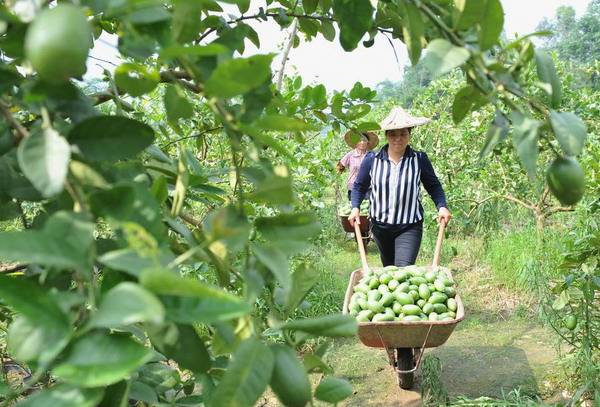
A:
[569, 130]
[354, 19]
[333, 390]
[181, 186]
[30, 341]
[247, 376]
[310, 6]
[190, 301]
[547, 73]
[275, 260]
[367, 126]
[491, 24]
[130, 261]
[525, 140]
[267, 140]
[319, 95]
[87, 175]
[63, 395]
[465, 101]
[126, 304]
[175, 51]
[303, 280]
[330, 325]
[187, 20]
[328, 30]
[136, 79]
[276, 189]
[100, 359]
[413, 30]
[496, 133]
[110, 138]
[467, 13]
[442, 56]
[64, 243]
[159, 377]
[9, 210]
[182, 344]
[159, 189]
[176, 104]
[237, 76]
[44, 159]
[229, 226]
[289, 226]
[277, 122]
[143, 392]
[189, 401]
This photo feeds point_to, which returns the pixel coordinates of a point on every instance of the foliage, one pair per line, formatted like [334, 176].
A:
[120, 299]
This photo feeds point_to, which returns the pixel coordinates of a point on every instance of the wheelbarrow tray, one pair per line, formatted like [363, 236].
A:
[399, 334]
[364, 224]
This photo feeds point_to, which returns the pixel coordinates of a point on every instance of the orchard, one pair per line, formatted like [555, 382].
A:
[163, 230]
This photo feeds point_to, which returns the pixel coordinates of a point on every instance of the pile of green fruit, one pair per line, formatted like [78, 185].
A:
[346, 208]
[403, 294]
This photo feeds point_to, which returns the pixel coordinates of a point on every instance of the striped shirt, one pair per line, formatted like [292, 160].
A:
[396, 194]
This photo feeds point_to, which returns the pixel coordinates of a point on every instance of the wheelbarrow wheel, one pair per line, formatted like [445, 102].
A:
[405, 359]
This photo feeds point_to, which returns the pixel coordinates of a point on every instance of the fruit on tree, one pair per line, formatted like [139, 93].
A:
[571, 321]
[57, 43]
[566, 180]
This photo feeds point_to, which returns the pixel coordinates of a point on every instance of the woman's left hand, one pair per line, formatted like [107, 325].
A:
[444, 213]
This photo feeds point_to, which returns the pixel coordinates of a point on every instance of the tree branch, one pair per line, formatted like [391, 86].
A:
[189, 219]
[524, 204]
[22, 132]
[286, 53]
[194, 136]
[13, 268]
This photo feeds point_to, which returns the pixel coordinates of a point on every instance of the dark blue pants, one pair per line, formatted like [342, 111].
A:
[398, 246]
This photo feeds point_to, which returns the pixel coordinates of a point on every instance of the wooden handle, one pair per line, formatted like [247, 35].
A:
[361, 246]
[438, 245]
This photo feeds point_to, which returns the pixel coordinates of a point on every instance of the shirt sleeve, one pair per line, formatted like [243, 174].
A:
[432, 183]
[363, 181]
[345, 161]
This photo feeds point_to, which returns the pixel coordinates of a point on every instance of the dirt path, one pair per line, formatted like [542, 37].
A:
[485, 360]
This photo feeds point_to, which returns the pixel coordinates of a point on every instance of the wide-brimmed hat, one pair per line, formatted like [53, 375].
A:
[399, 118]
[353, 135]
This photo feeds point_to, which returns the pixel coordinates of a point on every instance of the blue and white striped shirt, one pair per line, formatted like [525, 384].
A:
[395, 188]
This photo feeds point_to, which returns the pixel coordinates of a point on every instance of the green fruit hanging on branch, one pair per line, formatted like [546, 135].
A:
[566, 180]
[57, 43]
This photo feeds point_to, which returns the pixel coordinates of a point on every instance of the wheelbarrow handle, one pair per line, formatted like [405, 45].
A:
[361, 246]
[438, 245]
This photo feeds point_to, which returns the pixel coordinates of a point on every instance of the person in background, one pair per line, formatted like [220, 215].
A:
[361, 143]
[394, 174]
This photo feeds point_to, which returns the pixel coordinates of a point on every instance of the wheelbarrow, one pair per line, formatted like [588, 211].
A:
[405, 341]
[365, 224]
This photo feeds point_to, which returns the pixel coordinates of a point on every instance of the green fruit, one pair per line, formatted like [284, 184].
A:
[361, 288]
[428, 308]
[362, 302]
[433, 316]
[385, 278]
[411, 318]
[404, 298]
[387, 299]
[571, 321]
[383, 317]
[450, 292]
[374, 295]
[440, 308]
[374, 282]
[439, 285]
[424, 291]
[383, 289]
[57, 43]
[418, 281]
[397, 308]
[289, 380]
[452, 306]
[366, 314]
[393, 285]
[430, 276]
[403, 287]
[415, 294]
[411, 310]
[400, 275]
[375, 306]
[566, 180]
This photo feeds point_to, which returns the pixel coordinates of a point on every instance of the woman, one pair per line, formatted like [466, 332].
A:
[394, 174]
[366, 142]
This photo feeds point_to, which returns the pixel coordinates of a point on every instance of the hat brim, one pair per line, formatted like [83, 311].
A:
[371, 136]
[398, 118]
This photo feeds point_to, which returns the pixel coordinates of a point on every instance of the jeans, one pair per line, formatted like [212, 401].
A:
[398, 246]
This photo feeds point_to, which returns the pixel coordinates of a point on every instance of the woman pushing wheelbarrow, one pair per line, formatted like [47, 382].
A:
[401, 308]
[393, 174]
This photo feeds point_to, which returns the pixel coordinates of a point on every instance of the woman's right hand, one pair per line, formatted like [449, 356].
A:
[354, 216]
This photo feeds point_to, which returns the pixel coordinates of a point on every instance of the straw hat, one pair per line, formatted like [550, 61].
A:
[400, 119]
[352, 138]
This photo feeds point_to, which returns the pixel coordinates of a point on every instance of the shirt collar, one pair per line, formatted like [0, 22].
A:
[383, 153]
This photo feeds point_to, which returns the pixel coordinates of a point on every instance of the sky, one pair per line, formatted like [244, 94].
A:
[326, 62]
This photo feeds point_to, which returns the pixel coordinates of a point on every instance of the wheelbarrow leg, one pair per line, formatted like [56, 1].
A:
[406, 362]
